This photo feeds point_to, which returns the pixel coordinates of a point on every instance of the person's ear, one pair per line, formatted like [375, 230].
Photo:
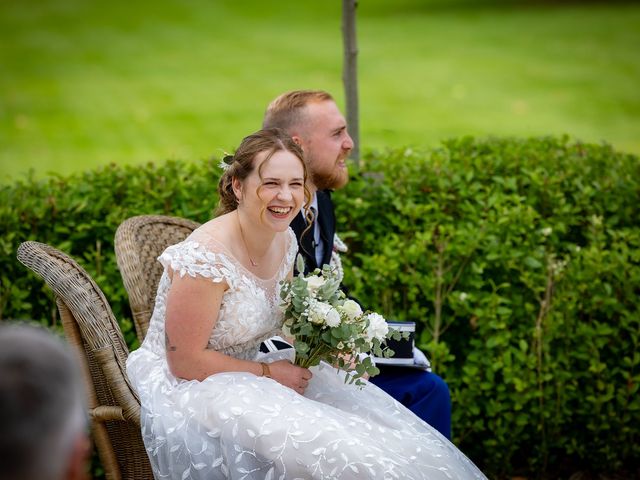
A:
[236, 185]
[297, 140]
[78, 467]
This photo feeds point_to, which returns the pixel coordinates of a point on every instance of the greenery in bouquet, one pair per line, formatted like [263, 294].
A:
[327, 326]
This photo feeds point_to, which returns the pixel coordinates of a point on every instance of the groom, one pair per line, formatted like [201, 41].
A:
[314, 121]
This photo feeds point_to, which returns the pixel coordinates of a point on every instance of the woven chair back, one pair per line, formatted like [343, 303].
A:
[139, 242]
[91, 328]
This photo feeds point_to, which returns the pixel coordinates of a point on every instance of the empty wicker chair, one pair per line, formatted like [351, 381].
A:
[138, 244]
[91, 328]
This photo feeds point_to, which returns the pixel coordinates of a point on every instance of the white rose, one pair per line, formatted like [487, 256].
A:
[320, 312]
[351, 309]
[333, 317]
[377, 328]
[314, 282]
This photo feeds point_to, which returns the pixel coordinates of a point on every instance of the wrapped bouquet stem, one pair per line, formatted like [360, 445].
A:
[327, 326]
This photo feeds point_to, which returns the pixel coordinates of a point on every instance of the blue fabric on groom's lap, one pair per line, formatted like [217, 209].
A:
[424, 393]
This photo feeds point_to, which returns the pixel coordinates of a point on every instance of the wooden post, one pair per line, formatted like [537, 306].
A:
[350, 73]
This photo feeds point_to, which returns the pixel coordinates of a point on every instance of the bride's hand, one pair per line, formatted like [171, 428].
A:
[289, 375]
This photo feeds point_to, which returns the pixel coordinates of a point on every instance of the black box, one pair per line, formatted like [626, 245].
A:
[402, 349]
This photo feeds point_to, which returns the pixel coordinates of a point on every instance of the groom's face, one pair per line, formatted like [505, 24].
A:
[326, 144]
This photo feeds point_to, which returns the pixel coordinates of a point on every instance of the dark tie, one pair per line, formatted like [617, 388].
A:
[313, 228]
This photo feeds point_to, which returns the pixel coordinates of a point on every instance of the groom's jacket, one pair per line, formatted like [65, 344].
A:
[327, 223]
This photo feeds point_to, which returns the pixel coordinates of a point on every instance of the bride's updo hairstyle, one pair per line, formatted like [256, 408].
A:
[241, 164]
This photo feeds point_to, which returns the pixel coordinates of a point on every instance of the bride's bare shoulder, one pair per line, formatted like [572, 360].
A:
[218, 229]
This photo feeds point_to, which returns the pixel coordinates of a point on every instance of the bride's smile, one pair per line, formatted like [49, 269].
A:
[280, 212]
[273, 194]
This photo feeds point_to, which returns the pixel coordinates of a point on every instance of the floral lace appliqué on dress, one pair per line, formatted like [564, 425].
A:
[240, 426]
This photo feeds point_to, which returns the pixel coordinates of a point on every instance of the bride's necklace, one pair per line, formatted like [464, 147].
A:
[246, 247]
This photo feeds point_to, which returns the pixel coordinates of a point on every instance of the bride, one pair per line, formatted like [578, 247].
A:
[215, 407]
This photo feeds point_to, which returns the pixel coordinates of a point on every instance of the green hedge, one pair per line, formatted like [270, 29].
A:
[80, 214]
[519, 259]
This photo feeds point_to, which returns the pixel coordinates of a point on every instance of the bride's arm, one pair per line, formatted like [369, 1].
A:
[193, 305]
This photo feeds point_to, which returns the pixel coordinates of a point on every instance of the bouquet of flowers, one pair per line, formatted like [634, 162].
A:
[327, 326]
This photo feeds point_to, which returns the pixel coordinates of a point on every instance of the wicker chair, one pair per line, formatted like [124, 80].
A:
[91, 328]
[138, 244]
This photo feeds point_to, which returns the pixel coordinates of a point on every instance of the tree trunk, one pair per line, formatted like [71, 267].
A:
[350, 73]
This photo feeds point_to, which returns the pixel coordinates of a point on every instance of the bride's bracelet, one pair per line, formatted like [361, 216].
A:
[265, 370]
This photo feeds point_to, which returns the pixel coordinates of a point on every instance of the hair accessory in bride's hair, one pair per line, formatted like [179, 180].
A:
[226, 161]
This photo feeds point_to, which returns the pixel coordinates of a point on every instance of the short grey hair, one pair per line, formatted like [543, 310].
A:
[42, 403]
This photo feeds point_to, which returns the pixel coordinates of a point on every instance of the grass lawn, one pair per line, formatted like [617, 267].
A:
[87, 82]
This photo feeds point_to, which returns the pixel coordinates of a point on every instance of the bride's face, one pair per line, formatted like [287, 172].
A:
[274, 191]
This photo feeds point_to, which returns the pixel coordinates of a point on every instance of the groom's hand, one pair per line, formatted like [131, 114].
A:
[289, 375]
[350, 362]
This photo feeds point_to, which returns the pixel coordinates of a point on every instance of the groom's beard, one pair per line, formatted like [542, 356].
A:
[332, 180]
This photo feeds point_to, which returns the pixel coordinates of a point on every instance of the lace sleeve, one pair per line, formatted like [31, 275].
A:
[290, 257]
[336, 262]
[191, 258]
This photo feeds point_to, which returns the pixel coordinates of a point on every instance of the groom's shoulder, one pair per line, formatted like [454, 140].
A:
[324, 195]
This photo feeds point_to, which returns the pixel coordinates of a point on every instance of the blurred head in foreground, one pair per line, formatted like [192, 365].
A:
[42, 407]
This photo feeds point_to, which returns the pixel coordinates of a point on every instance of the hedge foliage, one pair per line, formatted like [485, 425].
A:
[519, 259]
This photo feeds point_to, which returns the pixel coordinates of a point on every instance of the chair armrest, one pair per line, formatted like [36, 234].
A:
[104, 413]
[120, 387]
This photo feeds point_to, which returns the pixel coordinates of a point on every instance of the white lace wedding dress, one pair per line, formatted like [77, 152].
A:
[240, 426]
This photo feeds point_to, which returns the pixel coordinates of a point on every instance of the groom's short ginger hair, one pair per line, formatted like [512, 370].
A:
[286, 111]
